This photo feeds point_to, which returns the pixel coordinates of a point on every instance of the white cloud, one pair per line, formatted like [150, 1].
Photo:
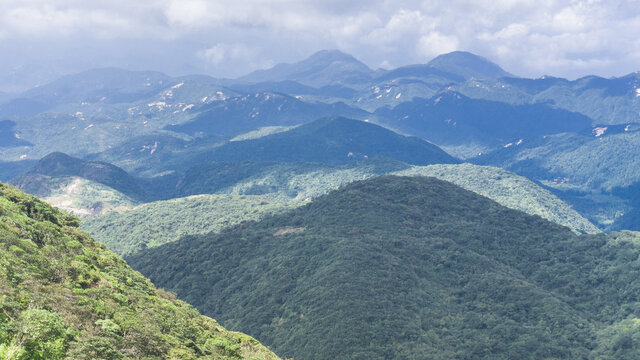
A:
[218, 53]
[527, 37]
[434, 44]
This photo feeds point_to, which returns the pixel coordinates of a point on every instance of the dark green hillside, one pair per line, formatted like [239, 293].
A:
[272, 177]
[288, 185]
[333, 140]
[454, 120]
[65, 296]
[36, 180]
[412, 268]
[157, 223]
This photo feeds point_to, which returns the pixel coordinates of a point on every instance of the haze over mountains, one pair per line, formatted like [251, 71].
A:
[156, 126]
[299, 204]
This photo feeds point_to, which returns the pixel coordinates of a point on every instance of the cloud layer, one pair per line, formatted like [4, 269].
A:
[569, 38]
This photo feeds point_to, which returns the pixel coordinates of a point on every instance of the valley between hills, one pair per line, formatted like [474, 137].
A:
[321, 210]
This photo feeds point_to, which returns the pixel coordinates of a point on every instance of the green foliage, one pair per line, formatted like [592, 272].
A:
[582, 169]
[290, 185]
[398, 267]
[65, 296]
[302, 181]
[508, 189]
[157, 223]
[286, 180]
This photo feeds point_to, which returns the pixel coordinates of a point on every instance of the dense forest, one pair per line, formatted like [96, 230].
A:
[397, 267]
[65, 296]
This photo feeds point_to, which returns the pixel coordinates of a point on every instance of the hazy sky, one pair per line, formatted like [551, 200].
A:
[41, 39]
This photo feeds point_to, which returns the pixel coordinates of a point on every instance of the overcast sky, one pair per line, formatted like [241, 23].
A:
[41, 39]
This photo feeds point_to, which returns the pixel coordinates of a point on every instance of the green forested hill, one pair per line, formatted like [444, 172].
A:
[229, 194]
[160, 222]
[65, 296]
[308, 180]
[333, 140]
[508, 189]
[397, 268]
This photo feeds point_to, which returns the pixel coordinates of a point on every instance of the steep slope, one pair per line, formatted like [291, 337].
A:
[326, 67]
[396, 268]
[333, 140]
[82, 197]
[44, 175]
[467, 126]
[63, 295]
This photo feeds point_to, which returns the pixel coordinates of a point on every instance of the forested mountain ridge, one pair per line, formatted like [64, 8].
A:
[396, 267]
[333, 140]
[231, 193]
[65, 296]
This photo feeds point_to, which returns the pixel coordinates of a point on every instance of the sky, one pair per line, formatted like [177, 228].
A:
[43, 39]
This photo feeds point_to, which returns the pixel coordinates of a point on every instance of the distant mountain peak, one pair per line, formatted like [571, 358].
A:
[467, 65]
[325, 67]
[332, 55]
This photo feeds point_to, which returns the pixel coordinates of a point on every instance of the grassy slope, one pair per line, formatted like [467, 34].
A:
[63, 295]
[396, 268]
[157, 223]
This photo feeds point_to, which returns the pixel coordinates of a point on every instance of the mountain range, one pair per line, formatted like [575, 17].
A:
[440, 210]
